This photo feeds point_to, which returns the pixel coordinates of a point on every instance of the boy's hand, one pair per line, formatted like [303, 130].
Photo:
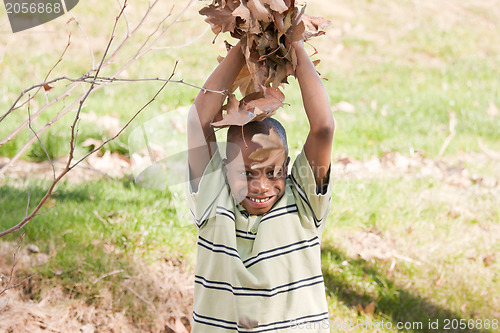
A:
[318, 145]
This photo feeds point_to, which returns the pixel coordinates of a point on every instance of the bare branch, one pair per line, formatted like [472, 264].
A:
[65, 94]
[96, 82]
[69, 167]
[41, 131]
[74, 127]
[128, 123]
[84, 79]
[164, 31]
[9, 284]
[112, 79]
[129, 35]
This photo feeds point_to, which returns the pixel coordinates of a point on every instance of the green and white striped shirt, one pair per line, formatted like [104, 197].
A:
[259, 273]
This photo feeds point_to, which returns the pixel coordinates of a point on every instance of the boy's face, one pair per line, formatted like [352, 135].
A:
[256, 189]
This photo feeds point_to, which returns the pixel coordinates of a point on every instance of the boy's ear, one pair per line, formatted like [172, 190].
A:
[224, 165]
[286, 164]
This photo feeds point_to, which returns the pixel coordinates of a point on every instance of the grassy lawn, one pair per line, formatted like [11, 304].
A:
[414, 246]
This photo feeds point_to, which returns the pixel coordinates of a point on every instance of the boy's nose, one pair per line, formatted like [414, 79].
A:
[261, 185]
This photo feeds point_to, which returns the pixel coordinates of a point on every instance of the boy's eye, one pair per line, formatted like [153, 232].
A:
[270, 174]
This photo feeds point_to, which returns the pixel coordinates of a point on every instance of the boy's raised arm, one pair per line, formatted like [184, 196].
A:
[201, 136]
[318, 145]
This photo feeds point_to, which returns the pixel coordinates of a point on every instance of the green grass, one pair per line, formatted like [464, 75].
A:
[417, 224]
[403, 65]
[92, 229]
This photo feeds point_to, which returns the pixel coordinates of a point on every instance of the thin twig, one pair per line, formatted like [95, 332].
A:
[40, 132]
[41, 143]
[88, 75]
[108, 274]
[86, 37]
[125, 18]
[12, 269]
[182, 45]
[35, 115]
[451, 127]
[113, 79]
[139, 55]
[140, 297]
[129, 35]
[28, 204]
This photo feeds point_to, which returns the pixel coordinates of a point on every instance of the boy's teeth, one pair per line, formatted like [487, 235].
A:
[258, 200]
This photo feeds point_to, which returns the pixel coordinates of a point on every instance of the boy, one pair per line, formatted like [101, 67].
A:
[258, 267]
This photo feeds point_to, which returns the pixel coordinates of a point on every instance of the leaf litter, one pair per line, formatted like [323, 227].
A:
[166, 284]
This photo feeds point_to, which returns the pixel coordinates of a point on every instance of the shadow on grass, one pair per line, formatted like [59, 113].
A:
[393, 302]
[14, 201]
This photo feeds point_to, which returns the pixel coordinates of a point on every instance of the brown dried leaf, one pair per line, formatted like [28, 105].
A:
[266, 106]
[314, 26]
[296, 32]
[91, 142]
[49, 203]
[489, 259]
[298, 13]
[276, 5]
[219, 17]
[243, 12]
[48, 87]
[258, 10]
[244, 82]
[278, 19]
[272, 153]
[370, 308]
[439, 281]
[234, 115]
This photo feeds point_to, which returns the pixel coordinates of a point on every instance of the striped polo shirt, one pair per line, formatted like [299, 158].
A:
[259, 273]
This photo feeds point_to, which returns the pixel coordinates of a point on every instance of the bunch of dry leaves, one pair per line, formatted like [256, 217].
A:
[266, 29]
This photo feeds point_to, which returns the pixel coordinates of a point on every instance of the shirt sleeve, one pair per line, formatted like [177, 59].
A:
[202, 203]
[316, 201]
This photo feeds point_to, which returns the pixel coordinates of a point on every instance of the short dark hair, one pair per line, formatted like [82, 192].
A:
[234, 132]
